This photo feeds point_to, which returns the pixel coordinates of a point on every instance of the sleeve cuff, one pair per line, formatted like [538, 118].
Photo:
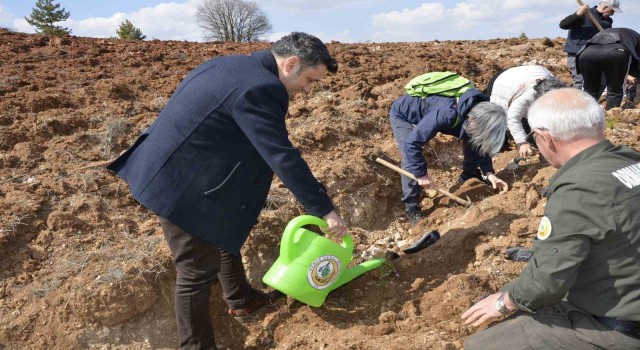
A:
[509, 288]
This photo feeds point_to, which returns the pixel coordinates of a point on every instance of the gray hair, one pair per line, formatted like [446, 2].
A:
[545, 85]
[487, 127]
[309, 49]
[568, 114]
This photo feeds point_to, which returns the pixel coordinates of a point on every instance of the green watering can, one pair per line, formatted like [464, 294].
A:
[310, 266]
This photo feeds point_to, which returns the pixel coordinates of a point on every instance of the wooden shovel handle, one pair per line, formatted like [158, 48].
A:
[590, 15]
[411, 176]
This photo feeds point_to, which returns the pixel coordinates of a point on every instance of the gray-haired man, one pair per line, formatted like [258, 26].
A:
[581, 289]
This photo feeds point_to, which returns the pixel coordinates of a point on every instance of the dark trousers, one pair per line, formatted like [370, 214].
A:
[198, 265]
[578, 79]
[561, 326]
[611, 59]
[410, 189]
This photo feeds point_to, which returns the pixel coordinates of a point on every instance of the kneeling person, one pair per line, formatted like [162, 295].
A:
[581, 289]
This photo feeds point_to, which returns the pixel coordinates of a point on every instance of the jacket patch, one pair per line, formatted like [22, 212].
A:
[544, 230]
[629, 176]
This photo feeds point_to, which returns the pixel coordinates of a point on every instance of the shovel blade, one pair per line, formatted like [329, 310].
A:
[424, 241]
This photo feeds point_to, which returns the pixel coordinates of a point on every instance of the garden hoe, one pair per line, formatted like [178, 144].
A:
[467, 203]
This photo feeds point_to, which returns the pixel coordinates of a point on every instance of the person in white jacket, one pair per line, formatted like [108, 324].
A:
[514, 90]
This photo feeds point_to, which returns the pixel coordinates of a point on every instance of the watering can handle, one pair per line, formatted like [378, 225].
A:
[289, 239]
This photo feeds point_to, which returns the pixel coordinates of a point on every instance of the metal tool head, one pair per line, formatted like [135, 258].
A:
[519, 159]
[514, 164]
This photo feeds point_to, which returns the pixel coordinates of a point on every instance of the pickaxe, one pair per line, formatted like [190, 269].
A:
[466, 203]
[590, 15]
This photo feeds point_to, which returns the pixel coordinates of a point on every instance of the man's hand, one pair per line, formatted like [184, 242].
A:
[631, 80]
[485, 310]
[337, 227]
[425, 181]
[525, 150]
[496, 183]
[582, 10]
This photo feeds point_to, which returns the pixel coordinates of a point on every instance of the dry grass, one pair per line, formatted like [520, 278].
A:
[12, 227]
[48, 286]
[118, 129]
[275, 201]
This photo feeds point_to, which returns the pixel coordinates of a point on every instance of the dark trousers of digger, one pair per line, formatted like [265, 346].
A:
[613, 61]
[198, 266]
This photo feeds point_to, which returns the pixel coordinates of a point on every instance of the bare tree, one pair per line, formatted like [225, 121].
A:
[232, 20]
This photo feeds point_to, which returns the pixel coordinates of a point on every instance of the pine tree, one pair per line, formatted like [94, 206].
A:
[45, 14]
[129, 32]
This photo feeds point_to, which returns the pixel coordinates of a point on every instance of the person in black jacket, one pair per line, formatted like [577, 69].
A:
[206, 164]
[582, 29]
[614, 52]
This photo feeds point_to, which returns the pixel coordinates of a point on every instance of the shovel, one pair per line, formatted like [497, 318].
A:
[422, 243]
[467, 203]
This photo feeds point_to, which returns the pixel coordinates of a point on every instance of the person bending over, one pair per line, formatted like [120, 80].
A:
[478, 123]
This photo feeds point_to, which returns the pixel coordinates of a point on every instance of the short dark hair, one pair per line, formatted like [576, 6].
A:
[308, 48]
[545, 85]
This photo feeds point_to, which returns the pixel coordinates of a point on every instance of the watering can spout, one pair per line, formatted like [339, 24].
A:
[349, 274]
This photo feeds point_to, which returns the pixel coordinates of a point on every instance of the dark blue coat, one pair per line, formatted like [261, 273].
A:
[582, 29]
[434, 114]
[207, 161]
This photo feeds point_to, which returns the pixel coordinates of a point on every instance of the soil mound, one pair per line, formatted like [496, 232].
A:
[82, 265]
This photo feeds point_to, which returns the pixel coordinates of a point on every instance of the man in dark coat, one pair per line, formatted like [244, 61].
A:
[478, 123]
[582, 29]
[614, 52]
[206, 163]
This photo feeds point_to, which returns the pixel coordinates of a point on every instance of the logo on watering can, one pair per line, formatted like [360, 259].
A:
[324, 271]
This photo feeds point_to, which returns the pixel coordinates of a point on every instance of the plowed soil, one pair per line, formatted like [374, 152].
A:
[83, 266]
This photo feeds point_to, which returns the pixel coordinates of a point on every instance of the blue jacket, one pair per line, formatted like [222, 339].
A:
[434, 114]
[207, 161]
[581, 29]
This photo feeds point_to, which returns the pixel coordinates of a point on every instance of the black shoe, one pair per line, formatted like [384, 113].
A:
[414, 215]
[519, 254]
[461, 180]
[259, 299]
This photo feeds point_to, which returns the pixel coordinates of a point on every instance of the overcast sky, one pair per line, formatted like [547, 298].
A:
[341, 20]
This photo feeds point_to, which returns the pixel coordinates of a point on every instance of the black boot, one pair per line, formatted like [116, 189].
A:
[414, 214]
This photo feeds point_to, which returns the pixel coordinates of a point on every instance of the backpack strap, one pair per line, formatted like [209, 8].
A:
[528, 85]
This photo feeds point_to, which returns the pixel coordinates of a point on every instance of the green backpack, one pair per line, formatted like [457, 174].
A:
[438, 83]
